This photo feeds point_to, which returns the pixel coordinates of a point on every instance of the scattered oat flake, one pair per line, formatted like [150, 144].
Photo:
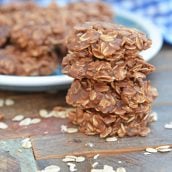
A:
[26, 121]
[108, 168]
[19, 150]
[3, 125]
[154, 116]
[168, 126]
[59, 114]
[18, 118]
[165, 150]
[1, 102]
[26, 140]
[111, 139]
[163, 147]
[89, 144]
[119, 162]
[63, 128]
[26, 143]
[35, 120]
[121, 169]
[151, 150]
[72, 130]
[147, 153]
[69, 159]
[44, 113]
[96, 156]
[72, 167]
[9, 102]
[51, 168]
[70, 156]
[71, 164]
[80, 159]
[95, 164]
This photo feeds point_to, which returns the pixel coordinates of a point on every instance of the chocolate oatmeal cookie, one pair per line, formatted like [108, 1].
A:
[92, 122]
[110, 91]
[17, 62]
[38, 32]
[79, 67]
[107, 41]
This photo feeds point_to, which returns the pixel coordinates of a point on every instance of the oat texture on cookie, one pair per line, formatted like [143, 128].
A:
[110, 92]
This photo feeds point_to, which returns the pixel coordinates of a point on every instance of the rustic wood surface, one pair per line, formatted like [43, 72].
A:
[49, 145]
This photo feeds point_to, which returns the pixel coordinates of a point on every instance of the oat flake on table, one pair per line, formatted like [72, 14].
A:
[3, 125]
[63, 128]
[72, 130]
[72, 167]
[168, 126]
[164, 148]
[154, 116]
[44, 113]
[150, 150]
[51, 168]
[111, 139]
[89, 144]
[9, 102]
[26, 143]
[121, 169]
[18, 118]
[35, 120]
[80, 159]
[96, 156]
[25, 122]
[106, 168]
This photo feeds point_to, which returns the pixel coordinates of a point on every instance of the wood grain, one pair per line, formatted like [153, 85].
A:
[62, 144]
[132, 162]
[8, 163]
[29, 104]
[81, 167]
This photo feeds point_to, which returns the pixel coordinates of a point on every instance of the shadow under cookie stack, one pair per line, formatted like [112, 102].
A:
[110, 91]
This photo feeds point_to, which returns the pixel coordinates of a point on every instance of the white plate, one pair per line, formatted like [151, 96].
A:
[59, 81]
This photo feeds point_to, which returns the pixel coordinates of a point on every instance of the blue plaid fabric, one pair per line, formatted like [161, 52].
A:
[158, 11]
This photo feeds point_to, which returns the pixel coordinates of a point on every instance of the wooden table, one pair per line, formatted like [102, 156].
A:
[49, 145]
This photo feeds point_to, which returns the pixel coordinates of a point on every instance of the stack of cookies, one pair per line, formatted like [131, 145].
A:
[110, 91]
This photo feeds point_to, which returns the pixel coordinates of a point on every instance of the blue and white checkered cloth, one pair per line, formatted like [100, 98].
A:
[158, 11]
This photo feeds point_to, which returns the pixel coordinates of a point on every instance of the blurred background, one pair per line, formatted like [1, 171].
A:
[157, 11]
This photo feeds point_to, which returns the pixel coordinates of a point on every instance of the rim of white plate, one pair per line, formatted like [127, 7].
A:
[153, 32]
[52, 80]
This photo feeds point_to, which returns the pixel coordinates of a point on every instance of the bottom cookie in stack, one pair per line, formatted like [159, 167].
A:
[14, 61]
[92, 122]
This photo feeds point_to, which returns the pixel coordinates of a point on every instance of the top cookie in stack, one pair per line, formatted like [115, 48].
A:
[110, 92]
[106, 52]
